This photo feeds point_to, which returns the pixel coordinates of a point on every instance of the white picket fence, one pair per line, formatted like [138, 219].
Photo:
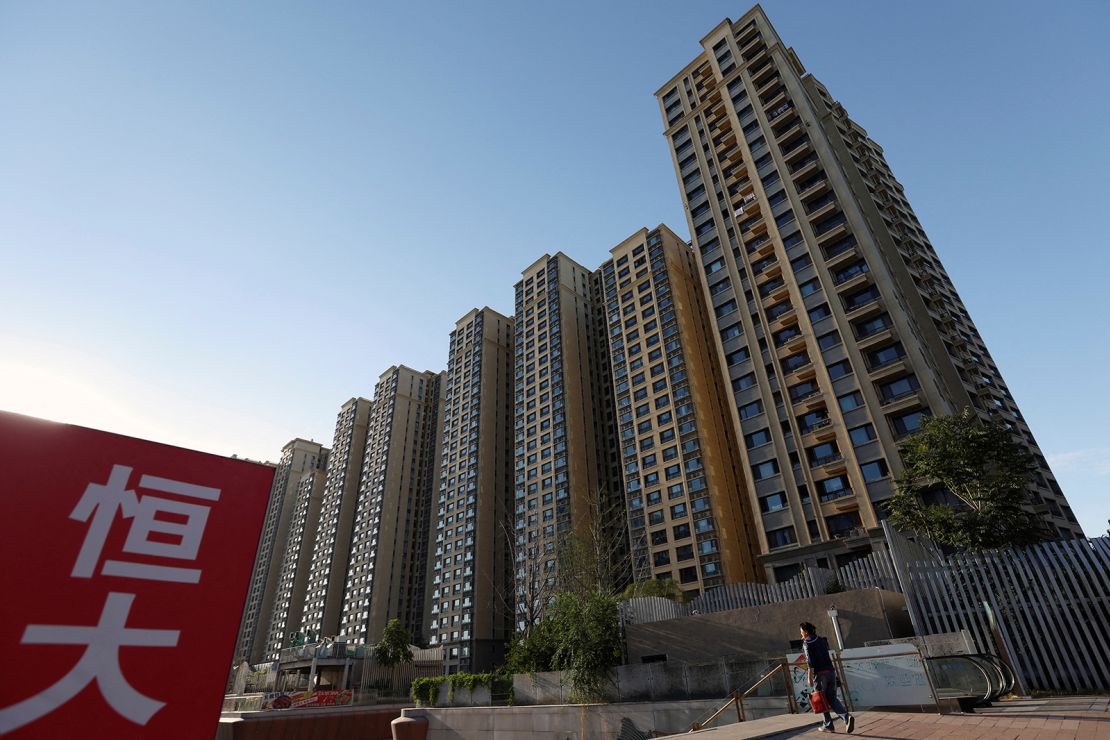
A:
[1050, 602]
[872, 571]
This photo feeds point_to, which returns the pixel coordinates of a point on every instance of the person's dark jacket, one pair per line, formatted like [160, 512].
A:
[816, 650]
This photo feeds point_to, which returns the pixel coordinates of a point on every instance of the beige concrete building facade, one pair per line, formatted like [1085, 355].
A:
[386, 568]
[328, 568]
[299, 458]
[837, 327]
[471, 599]
[284, 616]
[564, 433]
[689, 512]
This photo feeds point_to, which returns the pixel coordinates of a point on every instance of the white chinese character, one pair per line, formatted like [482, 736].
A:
[102, 501]
[100, 663]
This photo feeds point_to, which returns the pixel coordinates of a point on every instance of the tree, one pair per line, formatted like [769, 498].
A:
[594, 557]
[665, 588]
[532, 586]
[579, 634]
[983, 467]
[394, 648]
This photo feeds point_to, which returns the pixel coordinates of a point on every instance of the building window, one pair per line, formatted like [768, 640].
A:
[839, 369]
[781, 537]
[828, 341]
[773, 502]
[743, 382]
[735, 358]
[849, 401]
[765, 469]
[874, 470]
[861, 435]
[908, 423]
[751, 410]
[819, 312]
[757, 439]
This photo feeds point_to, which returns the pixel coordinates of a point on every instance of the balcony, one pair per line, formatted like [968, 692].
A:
[793, 344]
[776, 295]
[837, 495]
[787, 318]
[820, 210]
[732, 154]
[880, 337]
[821, 432]
[795, 148]
[764, 248]
[848, 534]
[779, 97]
[903, 401]
[863, 310]
[757, 227]
[800, 373]
[778, 112]
[769, 273]
[805, 167]
[813, 187]
[831, 230]
[852, 281]
[887, 369]
[750, 47]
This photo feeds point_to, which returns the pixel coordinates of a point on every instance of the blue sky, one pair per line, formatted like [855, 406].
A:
[219, 221]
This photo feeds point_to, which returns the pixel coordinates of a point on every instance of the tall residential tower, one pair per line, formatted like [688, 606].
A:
[564, 432]
[386, 567]
[470, 608]
[837, 324]
[689, 512]
[299, 458]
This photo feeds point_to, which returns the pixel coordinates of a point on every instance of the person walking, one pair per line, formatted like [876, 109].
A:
[822, 677]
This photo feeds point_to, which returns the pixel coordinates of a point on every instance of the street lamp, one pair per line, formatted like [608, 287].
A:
[833, 614]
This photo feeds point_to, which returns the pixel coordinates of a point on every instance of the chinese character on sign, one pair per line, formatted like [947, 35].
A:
[100, 663]
[179, 538]
[102, 502]
[127, 558]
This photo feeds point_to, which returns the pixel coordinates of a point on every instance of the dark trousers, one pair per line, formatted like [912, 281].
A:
[825, 682]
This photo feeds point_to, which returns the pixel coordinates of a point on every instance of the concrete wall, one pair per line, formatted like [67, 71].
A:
[647, 682]
[932, 646]
[333, 723]
[865, 615]
[581, 721]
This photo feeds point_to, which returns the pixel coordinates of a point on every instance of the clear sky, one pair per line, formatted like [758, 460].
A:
[219, 221]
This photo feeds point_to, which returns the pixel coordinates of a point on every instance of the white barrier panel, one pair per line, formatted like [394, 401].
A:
[880, 676]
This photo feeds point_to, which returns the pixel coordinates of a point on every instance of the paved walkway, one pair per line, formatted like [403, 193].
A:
[1081, 717]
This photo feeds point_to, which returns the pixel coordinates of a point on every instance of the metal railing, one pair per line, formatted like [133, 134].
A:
[737, 697]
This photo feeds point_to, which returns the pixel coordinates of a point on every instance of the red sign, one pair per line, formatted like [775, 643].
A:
[309, 699]
[124, 566]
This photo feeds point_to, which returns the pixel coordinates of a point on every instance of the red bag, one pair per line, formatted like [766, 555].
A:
[818, 703]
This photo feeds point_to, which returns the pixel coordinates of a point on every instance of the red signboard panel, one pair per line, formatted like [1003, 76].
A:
[124, 566]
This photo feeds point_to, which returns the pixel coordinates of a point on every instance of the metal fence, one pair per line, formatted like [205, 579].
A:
[1050, 602]
[873, 571]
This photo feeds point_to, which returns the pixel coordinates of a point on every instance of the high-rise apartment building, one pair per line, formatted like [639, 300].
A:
[284, 616]
[299, 458]
[471, 601]
[328, 569]
[689, 512]
[385, 570]
[564, 432]
[837, 327]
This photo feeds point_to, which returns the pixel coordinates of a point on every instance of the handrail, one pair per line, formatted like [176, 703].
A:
[737, 698]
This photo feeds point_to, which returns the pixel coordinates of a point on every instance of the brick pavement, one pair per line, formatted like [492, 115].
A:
[1055, 718]
[1041, 719]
